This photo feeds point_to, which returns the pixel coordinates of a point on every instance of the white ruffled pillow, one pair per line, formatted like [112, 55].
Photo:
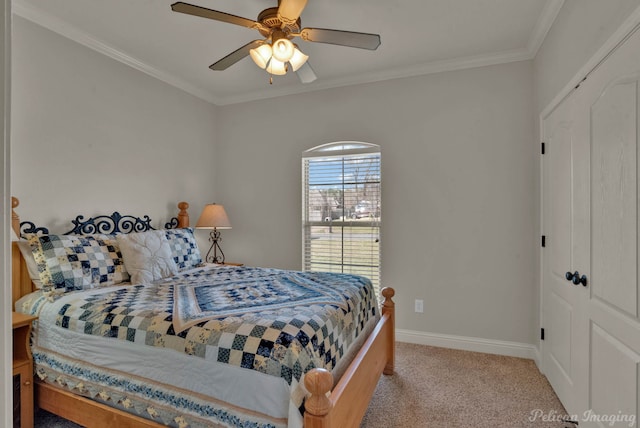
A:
[147, 256]
[32, 266]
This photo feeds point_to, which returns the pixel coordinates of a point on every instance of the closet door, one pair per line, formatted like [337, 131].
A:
[591, 215]
[607, 118]
[563, 303]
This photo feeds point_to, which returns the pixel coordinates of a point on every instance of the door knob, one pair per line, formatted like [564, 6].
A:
[576, 278]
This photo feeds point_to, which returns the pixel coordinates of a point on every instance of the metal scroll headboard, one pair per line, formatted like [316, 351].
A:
[106, 224]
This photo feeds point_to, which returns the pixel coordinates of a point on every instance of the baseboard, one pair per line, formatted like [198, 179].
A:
[537, 359]
[488, 346]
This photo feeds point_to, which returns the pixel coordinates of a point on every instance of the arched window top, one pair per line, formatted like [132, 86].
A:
[341, 148]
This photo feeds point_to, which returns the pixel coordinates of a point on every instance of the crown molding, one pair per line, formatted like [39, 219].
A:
[430, 67]
[544, 23]
[38, 16]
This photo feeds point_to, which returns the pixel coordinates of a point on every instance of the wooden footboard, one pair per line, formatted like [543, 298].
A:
[348, 402]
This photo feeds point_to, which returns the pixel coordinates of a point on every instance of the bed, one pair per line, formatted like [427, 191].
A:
[258, 374]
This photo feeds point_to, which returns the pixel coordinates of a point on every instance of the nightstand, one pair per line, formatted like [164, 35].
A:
[22, 371]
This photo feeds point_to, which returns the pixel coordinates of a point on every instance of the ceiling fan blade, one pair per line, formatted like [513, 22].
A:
[235, 56]
[342, 38]
[203, 12]
[289, 10]
[306, 74]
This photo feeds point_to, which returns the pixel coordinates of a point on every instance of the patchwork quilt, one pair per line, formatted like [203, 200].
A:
[282, 323]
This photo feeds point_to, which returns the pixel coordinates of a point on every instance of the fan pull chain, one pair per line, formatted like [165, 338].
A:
[286, 70]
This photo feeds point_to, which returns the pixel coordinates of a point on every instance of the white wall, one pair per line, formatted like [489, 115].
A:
[91, 135]
[458, 169]
[579, 31]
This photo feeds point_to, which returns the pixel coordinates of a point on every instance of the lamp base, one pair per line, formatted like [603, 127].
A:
[214, 238]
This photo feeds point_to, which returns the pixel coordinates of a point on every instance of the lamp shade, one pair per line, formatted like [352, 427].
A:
[213, 217]
[261, 55]
[282, 50]
[298, 59]
[276, 67]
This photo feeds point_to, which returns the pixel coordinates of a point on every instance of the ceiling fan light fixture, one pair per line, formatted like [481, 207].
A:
[276, 53]
[298, 59]
[283, 50]
[261, 55]
[276, 67]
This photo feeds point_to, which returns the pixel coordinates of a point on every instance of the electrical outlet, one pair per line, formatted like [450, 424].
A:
[419, 306]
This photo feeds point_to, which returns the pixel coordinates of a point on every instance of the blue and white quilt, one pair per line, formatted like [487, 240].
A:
[277, 322]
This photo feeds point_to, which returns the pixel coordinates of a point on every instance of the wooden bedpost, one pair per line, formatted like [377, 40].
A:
[389, 307]
[15, 219]
[183, 215]
[317, 406]
[20, 281]
[16, 259]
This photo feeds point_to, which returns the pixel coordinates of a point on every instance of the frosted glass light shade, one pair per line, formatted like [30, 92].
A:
[298, 59]
[213, 217]
[283, 50]
[276, 67]
[261, 55]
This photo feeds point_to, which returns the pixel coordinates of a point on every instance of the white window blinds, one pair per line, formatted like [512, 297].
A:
[341, 210]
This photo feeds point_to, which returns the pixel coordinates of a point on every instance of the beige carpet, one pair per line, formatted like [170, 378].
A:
[437, 387]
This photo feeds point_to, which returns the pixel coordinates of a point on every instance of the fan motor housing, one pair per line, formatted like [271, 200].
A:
[269, 18]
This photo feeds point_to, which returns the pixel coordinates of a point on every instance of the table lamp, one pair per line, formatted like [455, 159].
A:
[214, 217]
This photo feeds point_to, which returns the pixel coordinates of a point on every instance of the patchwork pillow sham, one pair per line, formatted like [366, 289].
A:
[184, 248]
[147, 256]
[77, 262]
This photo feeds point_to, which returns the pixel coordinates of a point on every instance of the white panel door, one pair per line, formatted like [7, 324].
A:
[608, 120]
[563, 314]
[591, 213]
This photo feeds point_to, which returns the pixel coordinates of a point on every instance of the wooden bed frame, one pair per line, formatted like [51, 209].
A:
[341, 407]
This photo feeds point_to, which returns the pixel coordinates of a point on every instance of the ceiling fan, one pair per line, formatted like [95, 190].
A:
[279, 25]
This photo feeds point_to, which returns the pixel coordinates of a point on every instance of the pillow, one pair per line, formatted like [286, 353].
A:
[32, 266]
[77, 262]
[147, 256]
[184, 248]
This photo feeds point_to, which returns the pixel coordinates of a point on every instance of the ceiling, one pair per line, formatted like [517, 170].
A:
[418, 37]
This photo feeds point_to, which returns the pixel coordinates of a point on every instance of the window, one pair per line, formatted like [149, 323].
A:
[341, 209]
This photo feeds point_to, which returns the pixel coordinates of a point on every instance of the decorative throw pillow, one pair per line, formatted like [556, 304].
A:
[75, 262]
[147, 256]
[184, 248]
